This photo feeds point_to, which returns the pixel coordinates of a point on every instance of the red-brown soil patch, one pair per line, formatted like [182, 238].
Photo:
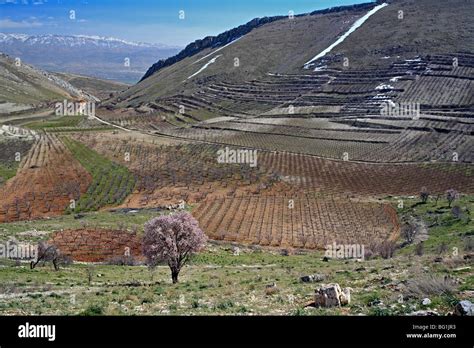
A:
[48, 178]
[97, 245]
[311, 223]
[301, 173]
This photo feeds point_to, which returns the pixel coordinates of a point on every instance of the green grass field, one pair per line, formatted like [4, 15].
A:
[111, 184]
[7, 171]
[445, 231]
[65, 121]
[217, 282]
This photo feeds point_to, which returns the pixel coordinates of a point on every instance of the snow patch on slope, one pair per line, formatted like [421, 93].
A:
[354, 26]
[215, 51]
[213, 60]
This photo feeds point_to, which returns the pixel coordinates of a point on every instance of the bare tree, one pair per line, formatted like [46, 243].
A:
[451, 196]
[438, 196]
[424, 194]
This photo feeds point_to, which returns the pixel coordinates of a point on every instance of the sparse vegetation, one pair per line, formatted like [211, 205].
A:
[430, 285]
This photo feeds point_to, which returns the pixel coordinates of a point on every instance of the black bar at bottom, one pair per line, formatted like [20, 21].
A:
[291, 331]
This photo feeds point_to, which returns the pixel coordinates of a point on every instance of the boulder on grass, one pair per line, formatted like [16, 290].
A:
[312, 278]
[331, 295]
[464, 308]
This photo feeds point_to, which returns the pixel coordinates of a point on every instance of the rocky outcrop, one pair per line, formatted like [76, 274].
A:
[332, 295]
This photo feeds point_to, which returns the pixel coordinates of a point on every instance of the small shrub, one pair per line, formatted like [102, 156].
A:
[89, 274]
[271, 290]
[438, 196]
[65, 260]
[372, 298]
[380, 312]
[299, 312]
[419, 249]
[469, 244]
[243, 309]
[93, 310]
[386, 249]
[451, 196]
[456, 212]
[225, 304]
[442, 248]
[408, 232]
[431, 285]
[121, 261]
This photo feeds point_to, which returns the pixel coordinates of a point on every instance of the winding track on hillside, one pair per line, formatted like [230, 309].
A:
[158, 134]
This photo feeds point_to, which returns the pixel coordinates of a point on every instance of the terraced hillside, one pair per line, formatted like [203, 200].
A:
[288, 200]
[47, 179]
[280, 46]
[333, 133]
[365, 100]
[168, 174]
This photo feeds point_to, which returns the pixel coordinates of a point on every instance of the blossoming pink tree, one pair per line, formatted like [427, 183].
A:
[172, 239]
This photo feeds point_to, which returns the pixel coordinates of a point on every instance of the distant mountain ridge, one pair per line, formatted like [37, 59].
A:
[101, 57]
[75, 40]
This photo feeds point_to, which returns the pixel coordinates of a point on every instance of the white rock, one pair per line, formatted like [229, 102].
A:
[464, 308]
[426, 302]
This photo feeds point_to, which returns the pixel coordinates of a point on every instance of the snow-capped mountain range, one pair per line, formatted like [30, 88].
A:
[74, 40]
[102, 57]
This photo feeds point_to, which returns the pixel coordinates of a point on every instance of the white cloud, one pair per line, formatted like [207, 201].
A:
[9, 24]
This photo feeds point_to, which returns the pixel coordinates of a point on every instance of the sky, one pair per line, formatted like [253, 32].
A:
[154, 21]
